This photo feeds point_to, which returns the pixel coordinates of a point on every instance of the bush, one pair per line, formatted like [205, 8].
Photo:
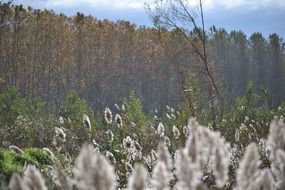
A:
[11, 106]
[134, 112]
[74, 107]
[72, 110]
[24, 122]
[11, 162]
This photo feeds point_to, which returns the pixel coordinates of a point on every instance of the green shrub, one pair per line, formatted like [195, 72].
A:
[251, 111]
[134, 111]
[74, 107]
[11, 106]
[72, 110]
[11, 162]
[35, 155]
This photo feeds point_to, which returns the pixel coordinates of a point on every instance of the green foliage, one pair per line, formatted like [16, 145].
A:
[11, 106]
[193, 94]
[265, 94]
[182, 115]
[74, 107]
[280, 112]
[37, 156]
[72, 110]
[33, 126]
[134, 111]
[11, 162]
[250, 112]
[26, 132]
[24, 122]
[245, 106]
[198, 104]
[37, 108]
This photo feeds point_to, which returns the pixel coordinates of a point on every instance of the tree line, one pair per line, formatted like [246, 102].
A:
[47, 55]
[242, 59]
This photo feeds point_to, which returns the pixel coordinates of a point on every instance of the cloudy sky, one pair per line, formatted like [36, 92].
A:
[266, 16]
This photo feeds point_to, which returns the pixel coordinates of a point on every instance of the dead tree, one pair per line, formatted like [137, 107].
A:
[183, 16]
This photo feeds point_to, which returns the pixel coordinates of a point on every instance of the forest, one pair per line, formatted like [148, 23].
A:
[47, 55]
[95, 104]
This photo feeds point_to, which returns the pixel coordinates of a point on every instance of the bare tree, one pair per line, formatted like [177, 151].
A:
[183, 16]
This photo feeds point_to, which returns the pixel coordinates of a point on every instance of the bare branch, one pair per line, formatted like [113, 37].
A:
[173, 14]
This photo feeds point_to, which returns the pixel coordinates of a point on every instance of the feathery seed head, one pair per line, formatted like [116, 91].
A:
[129, 148]
[164, 155]
[138, 178]
[160, 177]
[93, 171]
[265, 180]
[276, 137]
[186, 130]
[248, 171]
[109, 155]
[117, 107]
[108, 115]
[16, 149]
[61, 179]
[176, 132]
[16, 182]
[49, 153]
[60, 134]
[33, 179]
[160, 129]
[61, 120]
[118, 120]
[237, 135]
[185, 170]
[109, 135]
[86, 122]
[123, 107]
[166, 141]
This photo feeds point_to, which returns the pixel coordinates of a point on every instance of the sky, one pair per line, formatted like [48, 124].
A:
[265, 16]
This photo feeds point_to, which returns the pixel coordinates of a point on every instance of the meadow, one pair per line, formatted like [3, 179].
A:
[125, 148]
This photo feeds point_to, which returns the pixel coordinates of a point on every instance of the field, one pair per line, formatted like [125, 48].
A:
[128, 149]
[97, 104]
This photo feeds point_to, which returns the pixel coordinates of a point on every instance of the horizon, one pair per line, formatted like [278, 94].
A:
[265, 17]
